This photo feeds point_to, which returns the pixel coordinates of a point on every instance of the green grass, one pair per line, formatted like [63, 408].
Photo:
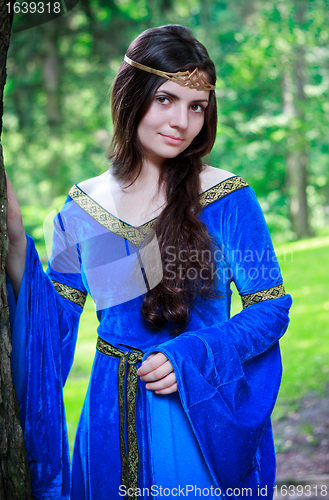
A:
[305, 346]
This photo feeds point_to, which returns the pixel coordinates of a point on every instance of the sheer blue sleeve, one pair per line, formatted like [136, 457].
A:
[44, 323]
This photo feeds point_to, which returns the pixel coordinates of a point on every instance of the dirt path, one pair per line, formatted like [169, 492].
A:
[302, 439]
[302, 444]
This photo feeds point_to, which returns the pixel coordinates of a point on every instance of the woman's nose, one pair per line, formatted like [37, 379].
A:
[179, 118]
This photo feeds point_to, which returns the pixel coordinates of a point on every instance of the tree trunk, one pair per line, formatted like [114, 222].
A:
[297, 155]
[15, 482]
[297, 162]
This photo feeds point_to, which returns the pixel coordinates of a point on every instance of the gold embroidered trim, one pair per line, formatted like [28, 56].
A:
[222, 189]
[72, 294]
[270, 293]
[130, 464]
[135, 235]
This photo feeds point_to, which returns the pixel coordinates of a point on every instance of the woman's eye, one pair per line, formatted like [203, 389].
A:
[197, 108]
[162, 100]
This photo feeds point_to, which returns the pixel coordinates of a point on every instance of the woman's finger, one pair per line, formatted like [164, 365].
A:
[153, 362]
[168, 390]
[159, 373]
[164, 383]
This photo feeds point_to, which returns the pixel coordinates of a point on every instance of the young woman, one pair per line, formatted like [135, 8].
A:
[180, 395]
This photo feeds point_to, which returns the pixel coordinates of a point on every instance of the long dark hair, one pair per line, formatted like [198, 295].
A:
[169, 48]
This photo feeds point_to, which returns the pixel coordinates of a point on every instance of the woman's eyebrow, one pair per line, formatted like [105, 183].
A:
[176, 97]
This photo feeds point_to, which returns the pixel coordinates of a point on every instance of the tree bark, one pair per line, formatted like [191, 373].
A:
[15, 482]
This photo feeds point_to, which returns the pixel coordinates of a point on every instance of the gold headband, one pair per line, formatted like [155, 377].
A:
[185, 78]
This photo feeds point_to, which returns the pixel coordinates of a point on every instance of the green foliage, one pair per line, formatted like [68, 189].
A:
[57, 126]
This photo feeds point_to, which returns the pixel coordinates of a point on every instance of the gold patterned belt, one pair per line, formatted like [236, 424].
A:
[127, 404]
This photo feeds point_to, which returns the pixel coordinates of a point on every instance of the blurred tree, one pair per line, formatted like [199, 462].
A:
[52, 68]
[15, 483]
[294, 105]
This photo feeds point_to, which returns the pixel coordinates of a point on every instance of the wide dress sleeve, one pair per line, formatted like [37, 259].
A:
[44, 322]
[228, 373]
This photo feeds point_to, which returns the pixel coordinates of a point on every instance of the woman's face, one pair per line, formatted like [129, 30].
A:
[173, 120]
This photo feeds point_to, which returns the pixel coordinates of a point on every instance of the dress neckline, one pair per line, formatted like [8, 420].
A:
[136, 234]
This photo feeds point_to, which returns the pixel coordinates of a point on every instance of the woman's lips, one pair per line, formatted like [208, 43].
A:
[172, 140]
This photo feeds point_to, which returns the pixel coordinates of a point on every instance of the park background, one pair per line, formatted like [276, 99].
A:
[272, 91]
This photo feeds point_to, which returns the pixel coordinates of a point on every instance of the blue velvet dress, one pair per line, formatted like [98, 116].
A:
[212, 438]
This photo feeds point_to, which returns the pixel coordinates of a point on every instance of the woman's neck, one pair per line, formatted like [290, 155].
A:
[147, 180]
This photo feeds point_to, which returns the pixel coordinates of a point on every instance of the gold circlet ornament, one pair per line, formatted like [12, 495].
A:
[184, 78]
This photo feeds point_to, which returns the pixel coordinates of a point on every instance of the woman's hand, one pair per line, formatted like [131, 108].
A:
[159, 373]
[15, 261]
